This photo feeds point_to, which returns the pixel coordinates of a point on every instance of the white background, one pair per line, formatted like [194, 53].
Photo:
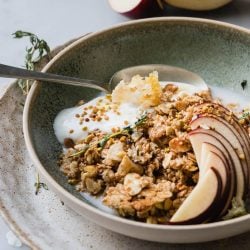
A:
[58, 21]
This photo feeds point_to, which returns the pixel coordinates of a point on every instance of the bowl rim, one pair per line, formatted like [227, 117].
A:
[70, 197]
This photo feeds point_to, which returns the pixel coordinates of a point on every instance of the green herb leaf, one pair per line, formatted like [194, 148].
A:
[141, 121]
[34, 53]
[79, 153]
[103, 141]
[125, 131]
[38, 185]
[244, 84]
[244, 115]
[20, 34]
[237, 209]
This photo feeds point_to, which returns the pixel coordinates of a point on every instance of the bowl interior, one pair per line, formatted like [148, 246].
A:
[218, 53]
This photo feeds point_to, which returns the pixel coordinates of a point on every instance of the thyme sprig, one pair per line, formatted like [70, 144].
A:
[105, 139]
[125, 131]
[38, 185]
[244, 115]
[81, 151]
[34, 53]
[243, 84]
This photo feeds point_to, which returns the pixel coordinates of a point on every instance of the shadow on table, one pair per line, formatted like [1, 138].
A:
[241, 242]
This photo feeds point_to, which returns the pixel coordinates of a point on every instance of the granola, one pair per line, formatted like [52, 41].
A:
[144, 172]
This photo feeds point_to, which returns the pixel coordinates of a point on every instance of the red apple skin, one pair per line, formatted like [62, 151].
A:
[210, 211]
[218, 155]
[233, 121]
[146, 8]
[218, 139]
[215, 145]
[230, 189]
[216, 106]
[229, 131]
[227, 190]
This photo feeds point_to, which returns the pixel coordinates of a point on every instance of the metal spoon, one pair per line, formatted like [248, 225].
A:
[19, 73]
[166, 73]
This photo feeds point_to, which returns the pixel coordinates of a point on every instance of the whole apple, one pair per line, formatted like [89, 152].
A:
[137, 8]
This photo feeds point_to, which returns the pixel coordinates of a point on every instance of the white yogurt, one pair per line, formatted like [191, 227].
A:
[68, 125]
[230, 97]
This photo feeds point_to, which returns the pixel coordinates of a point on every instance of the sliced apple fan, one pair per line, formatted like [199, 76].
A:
[222, 149]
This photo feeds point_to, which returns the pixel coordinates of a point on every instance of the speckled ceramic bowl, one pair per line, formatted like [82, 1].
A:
[218, 52]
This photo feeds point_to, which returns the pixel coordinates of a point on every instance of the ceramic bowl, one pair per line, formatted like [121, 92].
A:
[218, 52]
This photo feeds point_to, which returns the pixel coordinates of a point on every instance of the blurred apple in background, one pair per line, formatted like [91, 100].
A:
[149, 8]
[137, 8]
[198, 4]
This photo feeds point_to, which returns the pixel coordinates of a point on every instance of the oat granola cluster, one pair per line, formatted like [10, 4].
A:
[144, 173]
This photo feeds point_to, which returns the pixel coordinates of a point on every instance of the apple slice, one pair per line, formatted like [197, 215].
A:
[199, 136]
[229, 181]
[206, 149]
[136, 8]
[217, 159]
[206, 152]
[202, 202]
[214, 160]
[221, 112]
[228, 130]
[221, 144]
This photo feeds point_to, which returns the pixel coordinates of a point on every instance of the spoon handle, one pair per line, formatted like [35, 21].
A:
[14, 72]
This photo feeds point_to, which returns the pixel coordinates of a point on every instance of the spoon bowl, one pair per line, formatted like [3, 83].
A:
[166, 73]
